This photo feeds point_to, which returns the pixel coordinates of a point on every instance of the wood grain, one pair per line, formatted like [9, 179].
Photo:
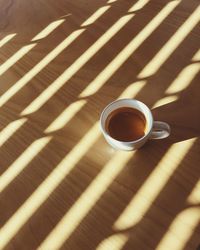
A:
[61, 185]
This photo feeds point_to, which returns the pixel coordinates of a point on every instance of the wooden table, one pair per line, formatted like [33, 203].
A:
[61, 185]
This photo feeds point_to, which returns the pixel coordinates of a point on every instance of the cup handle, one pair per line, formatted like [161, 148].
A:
[160, 130]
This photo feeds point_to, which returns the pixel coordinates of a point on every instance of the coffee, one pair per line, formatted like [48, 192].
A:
[126, 124]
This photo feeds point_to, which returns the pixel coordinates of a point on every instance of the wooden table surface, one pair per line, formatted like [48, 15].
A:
[61, 185]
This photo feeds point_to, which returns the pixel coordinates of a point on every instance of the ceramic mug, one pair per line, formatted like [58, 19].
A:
[154, 129]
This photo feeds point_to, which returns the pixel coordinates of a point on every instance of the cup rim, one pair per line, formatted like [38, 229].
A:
[126, 99]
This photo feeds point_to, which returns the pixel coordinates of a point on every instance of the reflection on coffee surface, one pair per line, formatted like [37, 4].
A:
[126, 124]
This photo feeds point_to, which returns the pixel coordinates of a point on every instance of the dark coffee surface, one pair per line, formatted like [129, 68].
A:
[126, 124]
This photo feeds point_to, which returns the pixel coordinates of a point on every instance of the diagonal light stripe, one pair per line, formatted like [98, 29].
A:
[45, 32]
[196, 57]
[13, 59]
[185, 77]
[116, 63]
[181, 230]
[165, 52]
[165, 100]
[95, 16]
[111, 1]
[10, 129]
[194, 197]
[47, 187]
[133, 89]
[22, 161]
[86, 201]
[150, 190]
[6, 39]
[114, 242]
[138, 5]
[65, 116]
[69, 72]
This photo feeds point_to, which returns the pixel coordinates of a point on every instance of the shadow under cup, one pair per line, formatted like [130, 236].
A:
[119, 105]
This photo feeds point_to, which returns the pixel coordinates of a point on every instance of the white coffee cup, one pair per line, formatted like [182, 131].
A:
[154, 129]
